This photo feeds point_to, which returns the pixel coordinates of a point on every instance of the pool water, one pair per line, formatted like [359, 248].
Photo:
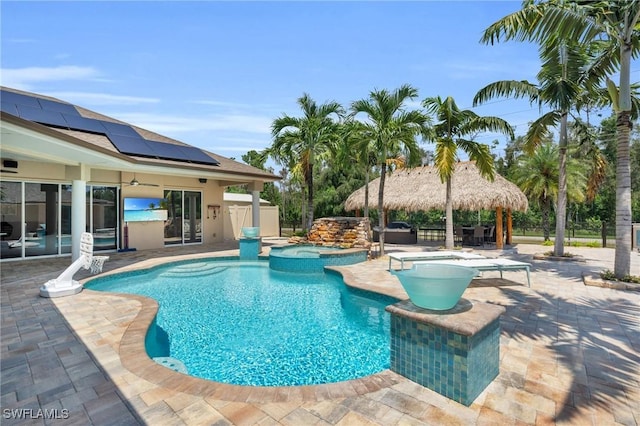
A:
[304, 251]
[240, 322]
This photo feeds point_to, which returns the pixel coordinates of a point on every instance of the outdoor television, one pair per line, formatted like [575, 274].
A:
[145, 209]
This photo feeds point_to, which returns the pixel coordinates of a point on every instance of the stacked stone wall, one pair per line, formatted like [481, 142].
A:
[343, 232]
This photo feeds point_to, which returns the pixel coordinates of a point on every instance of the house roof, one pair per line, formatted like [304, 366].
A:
[218, 166]
[421, 189]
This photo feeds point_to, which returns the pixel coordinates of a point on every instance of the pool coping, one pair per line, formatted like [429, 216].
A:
[134, 357]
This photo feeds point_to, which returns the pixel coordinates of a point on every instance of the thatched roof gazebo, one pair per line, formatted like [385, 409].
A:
[420, 189]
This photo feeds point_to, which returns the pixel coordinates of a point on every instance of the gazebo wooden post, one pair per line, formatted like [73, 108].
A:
[509, 226]
[499, 234]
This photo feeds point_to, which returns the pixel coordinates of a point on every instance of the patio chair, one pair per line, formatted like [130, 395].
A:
[478, 235]
[490, 237]
[458, 235]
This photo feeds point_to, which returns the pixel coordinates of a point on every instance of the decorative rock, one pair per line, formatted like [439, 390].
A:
[344, 232]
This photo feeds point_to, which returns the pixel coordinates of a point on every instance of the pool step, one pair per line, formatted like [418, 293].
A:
[172, 363]
[193, 270]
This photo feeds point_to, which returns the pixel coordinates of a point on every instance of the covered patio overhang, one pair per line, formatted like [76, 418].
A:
[421, 189]
[33, 152]
[24, 140]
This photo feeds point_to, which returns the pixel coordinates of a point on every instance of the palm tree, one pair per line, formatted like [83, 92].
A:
[358, 150]
[613, 27]
[537, 176]
[391, 129]
[562, 87]
[305, 140]
[455, 129]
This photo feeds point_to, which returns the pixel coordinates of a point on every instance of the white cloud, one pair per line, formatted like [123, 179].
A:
[86, 98]
[24, 78]
[162, 123]
[235, 149]
[239, 106]
[225, 104]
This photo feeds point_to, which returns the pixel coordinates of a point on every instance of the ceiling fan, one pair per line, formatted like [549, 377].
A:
[135, 182]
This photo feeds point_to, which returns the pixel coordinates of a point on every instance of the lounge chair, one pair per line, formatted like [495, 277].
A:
[21, 241]
[430, 255]
[486, 264]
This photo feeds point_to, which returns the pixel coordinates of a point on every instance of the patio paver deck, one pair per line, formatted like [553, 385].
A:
[570, 354]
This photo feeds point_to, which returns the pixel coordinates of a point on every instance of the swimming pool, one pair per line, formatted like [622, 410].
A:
[240, 322]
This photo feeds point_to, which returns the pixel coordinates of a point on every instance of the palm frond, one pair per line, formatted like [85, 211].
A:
[539, 132]
[445, 158]
[486, 123]
[507, 89]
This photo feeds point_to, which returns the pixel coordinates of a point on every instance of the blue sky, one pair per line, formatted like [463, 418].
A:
[216, 74]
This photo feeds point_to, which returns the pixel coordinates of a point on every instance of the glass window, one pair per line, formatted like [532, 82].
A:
[11, 219]
[103, 217]
[41, 219]
[173, 225]
[184, 217]
[192, 217]
[65, 215]
[46, 226]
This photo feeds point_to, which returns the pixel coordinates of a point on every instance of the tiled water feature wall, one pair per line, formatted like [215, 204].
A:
[455, 353]
[343, 232]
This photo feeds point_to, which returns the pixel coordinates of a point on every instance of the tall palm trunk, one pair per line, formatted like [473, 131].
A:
[310, 200]
[622, 262]
[448, 242]
[383, 173]
[546, 208]
[622, 265]
[366, 193]
[561, 212]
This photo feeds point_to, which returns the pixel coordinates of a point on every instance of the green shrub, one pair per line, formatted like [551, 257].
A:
[550, 253]
[610, 276]
[547, 243]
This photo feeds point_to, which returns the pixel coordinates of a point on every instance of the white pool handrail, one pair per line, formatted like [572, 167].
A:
[65, 285]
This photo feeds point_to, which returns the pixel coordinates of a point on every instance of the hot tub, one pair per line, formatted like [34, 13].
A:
[309, 258]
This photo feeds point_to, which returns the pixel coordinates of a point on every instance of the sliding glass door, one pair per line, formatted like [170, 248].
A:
[184, 217]
[36, 218]
[102, 216]
[11, 221]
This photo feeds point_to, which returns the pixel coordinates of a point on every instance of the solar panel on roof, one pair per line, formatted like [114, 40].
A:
[17, 98]
[77, 122]
[132, 146]
[39, 115]
[124, 137]
[120, 129]
[58, 106]
[9, 108]
[167, 150]
[196, 155]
